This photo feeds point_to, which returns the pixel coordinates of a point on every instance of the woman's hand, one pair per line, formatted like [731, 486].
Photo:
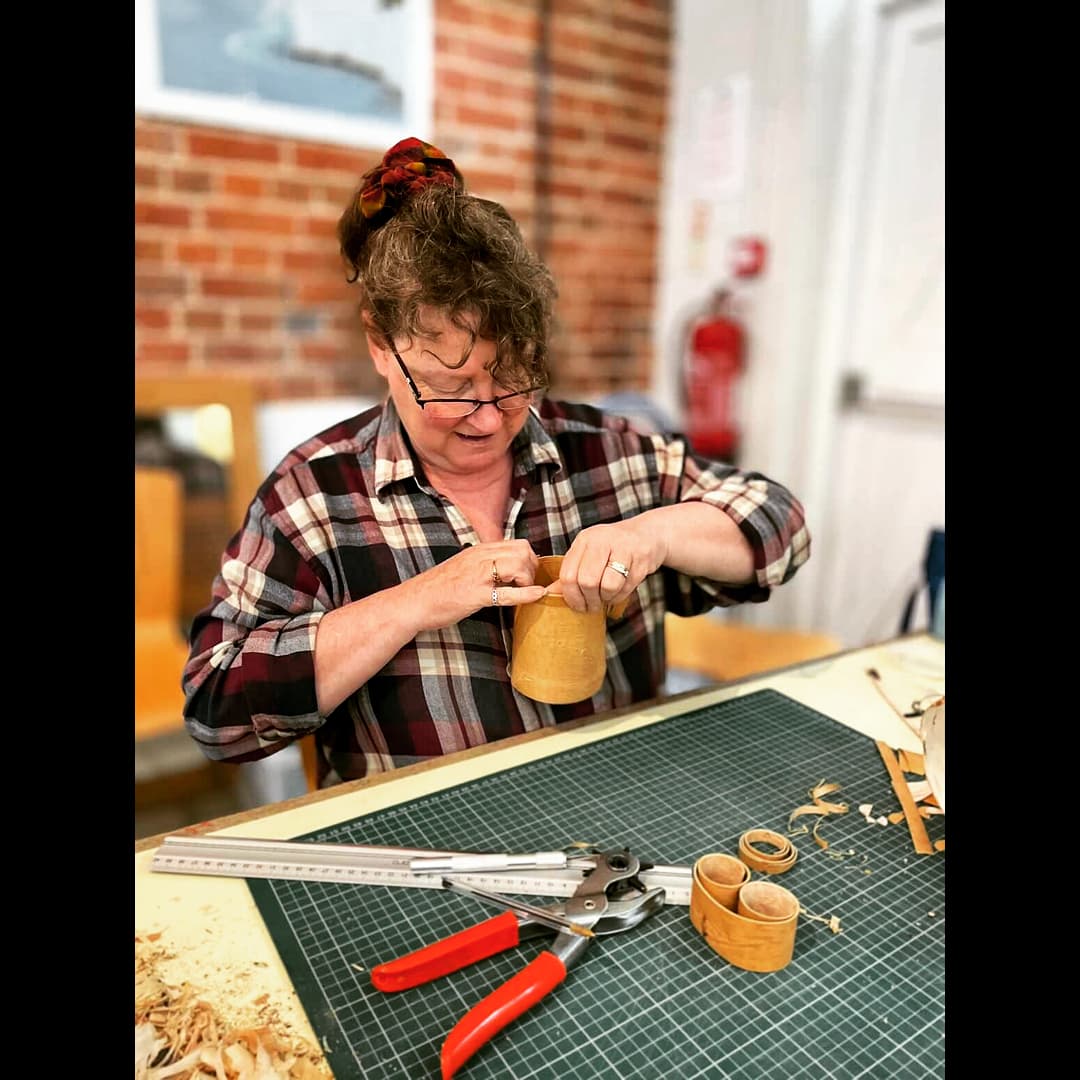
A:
[693, 538]
[499, 574]
[606, 563]
[357, 640]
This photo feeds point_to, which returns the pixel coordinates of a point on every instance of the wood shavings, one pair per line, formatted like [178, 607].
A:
[865, 809]
[896, 817]
[930, 811]
[939, 845]
[834, 853]
[831, 921]
[818, 805]
[910, 762]
[820, 808]
[178, 1034]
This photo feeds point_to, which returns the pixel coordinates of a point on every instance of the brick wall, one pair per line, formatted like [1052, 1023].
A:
[236, 262]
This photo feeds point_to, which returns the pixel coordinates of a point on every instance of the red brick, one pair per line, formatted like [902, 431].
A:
[197, 254]
[311, 350]
[204, 320]
[328, 157]
[311, 260]
[252, 258]
[501, 121]
[318, 293]
[243, 221]
[154, 138]
[190, 180]
[249, 287]
[147, 213]
[323, 228]
[237, 184]
[232, 147]
[173, 352]
[481, 53]
[240, 351]
[152, 318]
[290, 189]
[147, 251]
[159, 285]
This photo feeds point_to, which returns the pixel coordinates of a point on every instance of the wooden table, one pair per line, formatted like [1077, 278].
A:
[215, 936]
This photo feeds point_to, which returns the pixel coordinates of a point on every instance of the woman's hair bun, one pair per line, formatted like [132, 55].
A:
[407, 167]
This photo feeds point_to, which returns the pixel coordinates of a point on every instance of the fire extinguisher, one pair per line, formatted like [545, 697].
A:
[714, 363]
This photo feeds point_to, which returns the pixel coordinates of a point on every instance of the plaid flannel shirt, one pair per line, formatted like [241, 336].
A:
[349, 513]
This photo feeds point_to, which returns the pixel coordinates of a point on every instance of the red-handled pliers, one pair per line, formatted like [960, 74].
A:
[610, 900]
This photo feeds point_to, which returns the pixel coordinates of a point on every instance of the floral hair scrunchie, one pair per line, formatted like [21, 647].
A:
[405, 168]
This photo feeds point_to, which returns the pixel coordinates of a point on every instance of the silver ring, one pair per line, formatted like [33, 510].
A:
[495, 597]
[619, 568]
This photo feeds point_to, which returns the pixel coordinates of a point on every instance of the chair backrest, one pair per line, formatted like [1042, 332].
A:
[157, 544]
[160, 648]
[721, 650]
[156, 396]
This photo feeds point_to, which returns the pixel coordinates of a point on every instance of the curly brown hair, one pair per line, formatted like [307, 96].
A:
[465, 257]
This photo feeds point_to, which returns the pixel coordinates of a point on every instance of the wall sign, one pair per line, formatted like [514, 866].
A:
[720, 125]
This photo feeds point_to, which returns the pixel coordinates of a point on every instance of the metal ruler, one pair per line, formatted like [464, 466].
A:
[356, 864]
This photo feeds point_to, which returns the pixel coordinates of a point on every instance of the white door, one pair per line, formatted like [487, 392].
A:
[880, 442]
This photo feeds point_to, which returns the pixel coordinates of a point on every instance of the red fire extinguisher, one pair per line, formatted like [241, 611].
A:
[715, 360]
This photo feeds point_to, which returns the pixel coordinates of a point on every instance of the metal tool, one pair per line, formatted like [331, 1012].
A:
[357, 864]
[480, 863]
[610, 900]
[555, 922]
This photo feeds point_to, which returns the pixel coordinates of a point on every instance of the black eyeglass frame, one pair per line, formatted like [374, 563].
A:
[474, 402]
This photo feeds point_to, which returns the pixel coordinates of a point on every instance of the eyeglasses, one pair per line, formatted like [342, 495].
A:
[456, 408]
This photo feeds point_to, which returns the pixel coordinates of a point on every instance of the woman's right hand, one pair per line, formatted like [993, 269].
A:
[473, 579]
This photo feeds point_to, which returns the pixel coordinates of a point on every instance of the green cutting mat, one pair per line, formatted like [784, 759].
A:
[655, 1002]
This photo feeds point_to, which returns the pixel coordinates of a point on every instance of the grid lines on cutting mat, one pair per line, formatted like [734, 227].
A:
[656, 1002]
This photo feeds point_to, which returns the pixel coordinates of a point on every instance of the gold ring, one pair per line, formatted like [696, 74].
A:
[619, 568]
[495, 597]
[495, 580]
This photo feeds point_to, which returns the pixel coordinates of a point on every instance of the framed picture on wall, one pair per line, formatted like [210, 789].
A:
[357, 72]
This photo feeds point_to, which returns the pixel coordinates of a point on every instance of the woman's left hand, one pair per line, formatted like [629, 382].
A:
[606, 563]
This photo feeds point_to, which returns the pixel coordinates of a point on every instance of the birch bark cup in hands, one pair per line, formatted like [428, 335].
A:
[559, 655]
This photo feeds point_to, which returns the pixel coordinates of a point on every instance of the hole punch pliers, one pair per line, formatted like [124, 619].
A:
[610, 900]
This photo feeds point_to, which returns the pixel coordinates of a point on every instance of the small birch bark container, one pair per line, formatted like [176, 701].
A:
[559, 655]
[722, 876]
[759, 935]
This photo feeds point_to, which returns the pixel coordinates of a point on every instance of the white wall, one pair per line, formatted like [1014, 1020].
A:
[796, 58]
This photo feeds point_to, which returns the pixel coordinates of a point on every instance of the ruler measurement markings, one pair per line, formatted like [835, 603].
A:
[300, 860]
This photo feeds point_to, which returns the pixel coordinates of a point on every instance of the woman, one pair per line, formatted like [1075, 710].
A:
[364, 596]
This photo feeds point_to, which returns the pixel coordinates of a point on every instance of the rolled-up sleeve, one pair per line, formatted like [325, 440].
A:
[249, 683]
[769, 516]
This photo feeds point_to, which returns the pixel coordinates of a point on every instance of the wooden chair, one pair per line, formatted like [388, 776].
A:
[160, 647]
[161, 521]
[158, 395]
[309, 758]
[705, 645]
[159, 657]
